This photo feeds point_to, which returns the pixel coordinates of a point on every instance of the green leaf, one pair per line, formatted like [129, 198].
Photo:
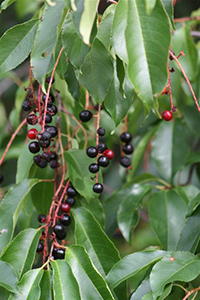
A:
[8, 279]
[10, 207]
[96, 209]
[169, 8]
[97, 71]
[20, 253]
[131, 265]
[147, 48]
[42, 196]
[193, 205]
[65, 284]
[127, 215]
[184, 267]
[89, 234]
[167, 217]
[5, 4]
[91, 284]
[142, 290]
[46, 286]
[42, 54]
[16, 44]
[24, 164]
[167, 154]
[150, 4]
[87, 19]
[24, 8]
[29, 286]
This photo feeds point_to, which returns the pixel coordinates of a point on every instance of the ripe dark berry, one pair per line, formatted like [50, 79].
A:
[48, 118]
[44, 144]
[34, 147]
[53, 156]
[92, 151]
[128, 149]
[65, 207]
[37, 159]
[42, 163]
[60, 232]
[96, 107]
[48, 79]
[167, 115]
[98, 188]
[125, 161]
[1, 178]
[101, 131]
[126, 137]
[52, 110]
[71, 201]
[52, 130]
[103, 161]
[58, 253]
[93, 168]
[42, 218]
[40, 247]
[26, 106]
[54, 164]
[46, 156]
[46, 136]
[85, 115]
[32, 119]
[32, 133]
[109, 154]
[102, 147]
[65, 220]
[71, 191]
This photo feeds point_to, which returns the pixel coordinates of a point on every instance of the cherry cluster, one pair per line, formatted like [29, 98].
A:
[128, 149]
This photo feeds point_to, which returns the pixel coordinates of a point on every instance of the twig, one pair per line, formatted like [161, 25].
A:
[126, 123]
[191, 292]
[97, 136]
[170, 88]
[112, 1]
[87, 97]
[186, 19]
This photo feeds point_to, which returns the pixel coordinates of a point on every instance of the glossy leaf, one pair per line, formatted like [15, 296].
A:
[169, 8]
[46, 286]
[91, 284]
[105, 27]
[167, 217]
[24, 164]
[8, 278]
[65, 284]
[42, 195]
[96, 209]
[167, 154]
[5, 4]
[20, 253]
[142, 290]
[147, 48]
[184, 267]
[10, 207]
[89, 234]
[131, 265]
[150, 4]
[16, 44]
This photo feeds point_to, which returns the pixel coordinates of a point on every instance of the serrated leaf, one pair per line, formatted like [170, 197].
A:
[20, 253]
[65, 284]
[8, 278]
[91, 284]
[46, 286]
[10, 207]
[147, 48]
[184, 267]
[89, 234]
[16, 44]
[131, 265]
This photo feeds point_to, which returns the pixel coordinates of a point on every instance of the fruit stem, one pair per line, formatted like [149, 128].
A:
[186, 19]
[97, 136]
[39, 104]
[191, 292]
[112, 1]
[87, 97]
[126, 123]
[170, 88]
[186, 78]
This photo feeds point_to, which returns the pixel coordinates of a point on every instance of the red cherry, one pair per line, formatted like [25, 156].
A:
[108, 153]
[167, 115]
[65, 207]
[32, 133]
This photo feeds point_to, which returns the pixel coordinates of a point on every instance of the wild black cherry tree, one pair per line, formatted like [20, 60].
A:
[105, 131]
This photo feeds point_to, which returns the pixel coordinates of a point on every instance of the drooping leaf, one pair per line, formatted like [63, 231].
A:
[10, 207]
[89, 234]
[20, 253]
[42, 195]
[142, 290]
[46, 286]
[65, 284]
[16, 44]
[105, 27]
[183, 267]
[169, 8]
[8, 278]
[24, 164]
[91, 284]
[96, 209]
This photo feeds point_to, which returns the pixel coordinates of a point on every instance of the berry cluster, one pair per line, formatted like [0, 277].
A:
[126, 138]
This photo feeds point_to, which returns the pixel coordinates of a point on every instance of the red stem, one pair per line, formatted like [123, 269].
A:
[126, 123]
[186, 19]
[97, 136]
[170, 88]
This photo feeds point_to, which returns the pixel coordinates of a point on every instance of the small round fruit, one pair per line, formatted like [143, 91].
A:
[125, 161]
[58, 253]
[96, 107]
[167, 115]
[37, 159]
[1, 178]
[53, 156]
[52, 110]
[102, 147]
[34, 147]
[71, 191]
[71, 201]
[48, 118]
[32, 133]
[46, 156]
[32, 119]
[126, 137]
[40, 247]
[128, 149]
[44, 144]
[85, 115]
[65, 220]
[98, 188]
[54, 164]
[65, 207]
[60, 232]
[92, 151]
[49, 78]
[103, 161]
[52, 130]
[109, 154]
[42, 218]
[26, 106]
[46, 136]
[101, 131]
[93, 168]
[43, 163]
